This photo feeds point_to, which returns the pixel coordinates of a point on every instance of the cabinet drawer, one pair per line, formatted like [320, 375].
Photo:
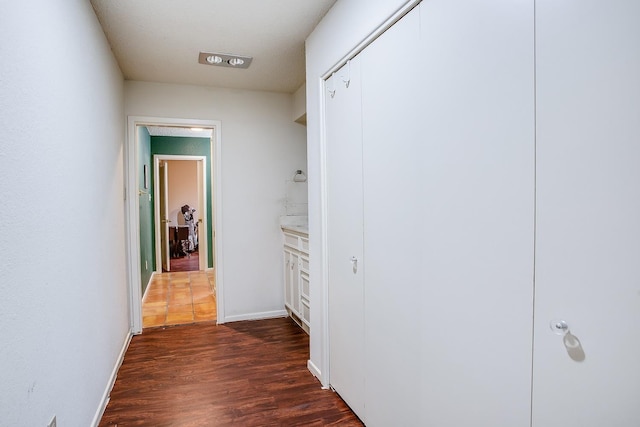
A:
[291, 240]
[296, 241]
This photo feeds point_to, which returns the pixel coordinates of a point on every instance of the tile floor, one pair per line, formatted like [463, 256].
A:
[179, 298]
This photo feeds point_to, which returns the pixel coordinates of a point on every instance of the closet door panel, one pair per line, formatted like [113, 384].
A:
[345, 237]
[588, 214]
[393, 232]
[477, 127]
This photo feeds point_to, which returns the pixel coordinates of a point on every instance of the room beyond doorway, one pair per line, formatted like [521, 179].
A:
[179, 184]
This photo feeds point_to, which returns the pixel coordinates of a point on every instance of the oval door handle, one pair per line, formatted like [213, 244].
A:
[354, 261]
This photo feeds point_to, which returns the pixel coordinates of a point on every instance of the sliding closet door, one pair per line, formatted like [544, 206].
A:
[393, 224]
[588, 214]
[345, 228]
[477, 127]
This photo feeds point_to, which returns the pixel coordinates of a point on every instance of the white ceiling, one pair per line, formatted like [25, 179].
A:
[159, 40]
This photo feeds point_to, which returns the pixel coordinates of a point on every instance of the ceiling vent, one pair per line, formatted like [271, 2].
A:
[224, 60]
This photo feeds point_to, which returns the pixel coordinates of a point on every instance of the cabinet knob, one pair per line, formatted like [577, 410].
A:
[354, 261]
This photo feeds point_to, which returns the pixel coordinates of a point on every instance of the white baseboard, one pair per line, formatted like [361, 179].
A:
[114, 374]
[255, 316]
[146, 288]
[315, 371]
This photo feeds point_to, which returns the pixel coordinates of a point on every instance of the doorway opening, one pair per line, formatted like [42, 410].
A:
[182, 289]
[145, 242]
[180, 213]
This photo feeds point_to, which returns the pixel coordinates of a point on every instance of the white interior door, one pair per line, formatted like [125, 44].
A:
[345, 238]
[163, 197]
[393, 155]
[588, 214]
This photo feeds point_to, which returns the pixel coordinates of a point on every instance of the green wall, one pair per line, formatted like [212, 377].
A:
[176, 145]
[147, 252]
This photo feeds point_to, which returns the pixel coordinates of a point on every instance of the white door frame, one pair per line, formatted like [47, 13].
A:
[132, 214]
[203, 239]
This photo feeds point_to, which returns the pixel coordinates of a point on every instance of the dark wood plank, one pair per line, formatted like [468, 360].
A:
[241, 374]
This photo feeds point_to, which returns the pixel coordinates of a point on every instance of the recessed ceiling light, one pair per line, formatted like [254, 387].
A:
[236, 62]
[197, 129]
[224, 60]
[214, 59]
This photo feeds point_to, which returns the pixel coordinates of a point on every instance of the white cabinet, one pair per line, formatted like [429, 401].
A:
[296, 276]
[483, 181]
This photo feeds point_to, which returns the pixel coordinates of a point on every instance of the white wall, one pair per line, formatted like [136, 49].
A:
[344, 27]
[261, 149]
[183, 189]
[63, 311]
[299, 105]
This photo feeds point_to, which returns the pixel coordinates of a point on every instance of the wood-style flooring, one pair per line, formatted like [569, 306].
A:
[178, 298]
[250, 373]
[186, 263]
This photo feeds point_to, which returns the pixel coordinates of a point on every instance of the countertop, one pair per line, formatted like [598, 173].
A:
[303, 229]
[295, 223]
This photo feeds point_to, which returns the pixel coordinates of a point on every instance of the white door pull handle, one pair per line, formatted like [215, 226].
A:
[571, 343]
[560, 327]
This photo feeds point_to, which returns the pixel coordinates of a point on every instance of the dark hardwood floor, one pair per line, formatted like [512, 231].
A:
[237, 374]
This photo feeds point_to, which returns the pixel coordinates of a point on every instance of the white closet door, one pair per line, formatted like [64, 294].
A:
[344, 228]
[588, 214]
[393, 224]
[477, 120]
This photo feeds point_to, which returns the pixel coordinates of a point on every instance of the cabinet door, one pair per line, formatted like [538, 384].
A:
[588, 214]
[477, 127]
[288, 292]
[294, 267]
[344, 229]
[305, 309]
